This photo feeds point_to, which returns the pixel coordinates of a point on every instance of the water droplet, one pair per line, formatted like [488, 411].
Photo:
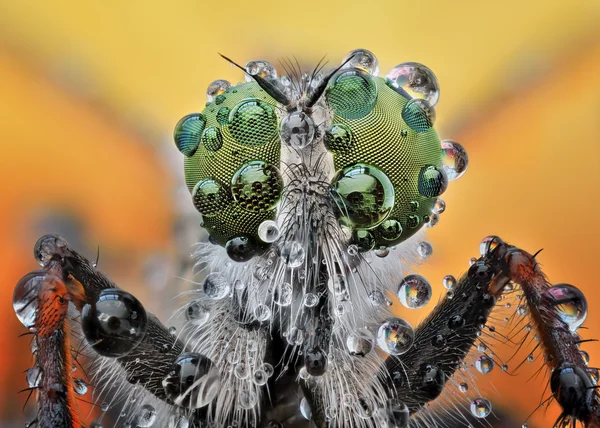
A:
[439, 206]
[364, 195]
[79, 386]
[48, 246]
[247, 399]
[425, 249]
[34, 376]
[393, 414]
[188, 133]
[363, 60]
[193, 381]
[196, 313]
[449, 282]
[216, 88]
[147, 416]
[262, 313]
[292, 253]
[305, 409]
[115, 323]
[210, 197]
[310, 300]
[489, 244]
[414, 291]
[283, 294]
[484, 364]
[253, 123]
[351, 93]
[463, 387]
[172, 331]
[390, 229]
[352, 250]
[27, 293]
[472, 261]
[382, 252]
[297, 129]
[414, 80]
[268, 369]
[339, 287]
[481, 407]
[260, 68]
[268, 231]
[432, 181]
[454, 159]
[260, 377]
[569, 304]
[241, 371]
[359, 343]
[395, 336]
[216, 286]
[295, 336]
[338, 138]
[257, 186]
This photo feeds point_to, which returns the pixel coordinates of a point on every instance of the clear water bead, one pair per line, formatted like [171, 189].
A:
[216, 88]
[415, 80]
[193, 381]
[297, 129]
[305, 409]
[268, 369]
[196, 313]
[295, 336]
[262, 313]
[260, 377]
[489, 244]
[260, 68]
[216, 286]
[414, 291]
[292, 253]
[449, 282]
[247, 399]
[425, 249]
[47, 246]
[484, 364]
[359, 344]
[34, 376]
[395, 336]
[268, 231]
[26, 295]
[393, 414]
[79, 386]
[569, 304]
[439, 206]
[310, 300]
[283, 294]
[481, 407]
[363, 60]
[147, 416]
[463, 387]
[454, 159]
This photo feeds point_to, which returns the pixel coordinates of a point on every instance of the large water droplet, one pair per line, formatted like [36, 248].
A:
[295, 336]
[454, 159]
[115, 323]
[489, 244]
[79, 386]
[216, 286]
[297, 129]
[449, 282]
[147, 416]
[363, 60]
[27, 293]
[210, 197]
[395, 336]
[247, 399]
[414, 80]
[364, 195]
[257, 186]
[310, 300]
[268, 231]
[292, 253]
[481, 407]
[432, 181]
[283, 294]
[569, 304]
[305, 409]
[34, 376]
[414, 291]
[260, 68]
[262, 313]
[419, 115]
[484, 364]
[216, 88]
[359, 343]
[48, 246]
[197, 313]
[193, 381]
[425, 249]
[188, 132]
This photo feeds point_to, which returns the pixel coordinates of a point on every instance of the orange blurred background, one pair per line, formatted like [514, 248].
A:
[90, 94]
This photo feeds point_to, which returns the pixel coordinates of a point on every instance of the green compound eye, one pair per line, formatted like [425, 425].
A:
[257, 186]
[364, 195]
[210, 197]
[352, 94]
[188, 132]
[253, 123]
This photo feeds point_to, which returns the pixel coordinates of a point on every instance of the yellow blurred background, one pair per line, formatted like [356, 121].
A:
[90, 92]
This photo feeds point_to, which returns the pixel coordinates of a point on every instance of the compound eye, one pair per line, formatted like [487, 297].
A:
[351, 94]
